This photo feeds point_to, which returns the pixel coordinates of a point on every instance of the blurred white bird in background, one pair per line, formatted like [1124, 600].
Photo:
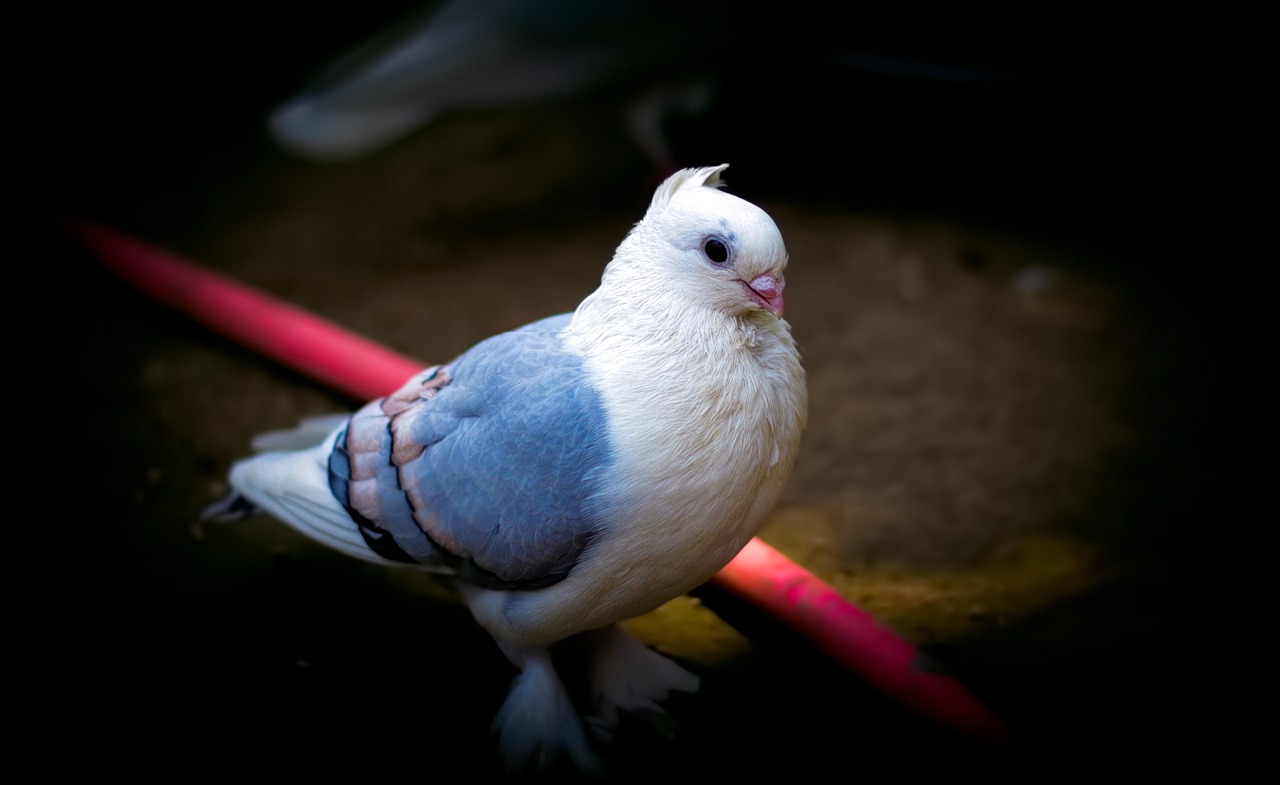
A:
[686, 79]
[482, 54]
[580, 470]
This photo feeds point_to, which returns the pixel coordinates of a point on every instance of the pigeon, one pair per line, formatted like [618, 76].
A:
[578, 471]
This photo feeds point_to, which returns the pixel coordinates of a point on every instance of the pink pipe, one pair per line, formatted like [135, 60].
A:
[853, 638]
[284, 332]
[366, 370]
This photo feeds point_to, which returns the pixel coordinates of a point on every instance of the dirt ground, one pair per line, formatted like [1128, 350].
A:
[1003, 462]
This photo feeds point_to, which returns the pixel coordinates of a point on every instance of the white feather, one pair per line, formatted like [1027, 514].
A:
[707, 402]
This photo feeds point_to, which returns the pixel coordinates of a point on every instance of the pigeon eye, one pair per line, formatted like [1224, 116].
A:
[715, 250]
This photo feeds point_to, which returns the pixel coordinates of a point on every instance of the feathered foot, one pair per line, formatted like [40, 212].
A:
[629, 676]
[537, 724]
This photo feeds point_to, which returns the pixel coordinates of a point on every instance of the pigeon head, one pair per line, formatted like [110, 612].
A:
[703, 247]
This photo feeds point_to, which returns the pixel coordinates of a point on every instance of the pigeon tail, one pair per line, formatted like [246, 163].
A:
[294, 488]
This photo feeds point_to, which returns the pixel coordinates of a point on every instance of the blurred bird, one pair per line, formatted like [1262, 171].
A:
[479, 54]
[580, 470]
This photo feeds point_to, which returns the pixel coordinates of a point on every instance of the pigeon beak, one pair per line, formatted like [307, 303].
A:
[766, 291]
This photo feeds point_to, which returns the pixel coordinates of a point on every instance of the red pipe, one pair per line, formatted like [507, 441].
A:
[366, 370]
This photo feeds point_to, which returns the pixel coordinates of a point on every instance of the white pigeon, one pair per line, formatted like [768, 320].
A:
[580, 470]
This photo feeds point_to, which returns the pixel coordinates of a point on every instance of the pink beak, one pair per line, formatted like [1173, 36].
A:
[766, 290]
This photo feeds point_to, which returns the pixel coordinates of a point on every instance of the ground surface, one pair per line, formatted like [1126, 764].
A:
[1005, 380]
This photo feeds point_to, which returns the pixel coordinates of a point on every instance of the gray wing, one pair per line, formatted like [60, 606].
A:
[490, 465]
